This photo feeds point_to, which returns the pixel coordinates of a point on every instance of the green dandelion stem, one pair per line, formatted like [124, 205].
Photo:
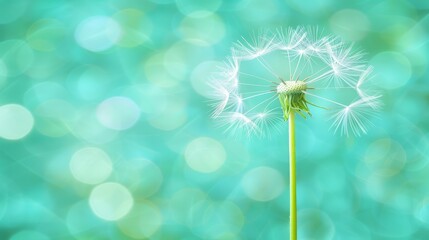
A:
[292, 174]
[293, 101]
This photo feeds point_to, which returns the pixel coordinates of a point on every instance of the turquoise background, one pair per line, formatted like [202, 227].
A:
[122, 85]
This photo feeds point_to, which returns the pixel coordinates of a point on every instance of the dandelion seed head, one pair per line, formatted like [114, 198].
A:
[276, 72]
[291, 87]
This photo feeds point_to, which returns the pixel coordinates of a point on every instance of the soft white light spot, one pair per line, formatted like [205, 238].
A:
[158, 72]
[136, 27]
[142, 222]
[350, 24]
[98, 33]
[15, 121]
[87, 127]
[393, 69]
[90, 165]
[263, 184]
[199, 77]
[205, 155]
[202, 28]
[188, 7]
[172, 117]
[110, 201]
[118, 113]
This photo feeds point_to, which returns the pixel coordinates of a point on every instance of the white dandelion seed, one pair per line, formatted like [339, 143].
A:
[301, 68]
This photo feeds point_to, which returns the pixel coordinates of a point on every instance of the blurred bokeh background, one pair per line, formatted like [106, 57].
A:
[106, 132]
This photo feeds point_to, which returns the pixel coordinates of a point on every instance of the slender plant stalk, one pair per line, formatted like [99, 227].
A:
[292, 173]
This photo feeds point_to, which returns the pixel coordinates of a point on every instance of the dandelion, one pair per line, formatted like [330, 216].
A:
[276, 75]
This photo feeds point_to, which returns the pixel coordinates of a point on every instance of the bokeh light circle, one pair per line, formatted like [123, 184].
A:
[170, 118]
[118, 113]
[203, 28]
[42, 92]
[136, 27]
[98, 33]
[142, 222]
[263, 184]
[182, 201]
[313, 8]
[16, 56]
[144, 95]
[205, 155]
[86, 126]
[142, 175]
[385, 157]
[194, 208]
[393, 70]
[187, 7]
[350, 24]
[156, 71]
[199, 77]
[315, 224]
[111, 201]
[90, 82]
[255, 12]
[353, 229]
[15, 121]
[224, 218]
[90, 165]
[178, 60]
[46, 34]
[48, 64]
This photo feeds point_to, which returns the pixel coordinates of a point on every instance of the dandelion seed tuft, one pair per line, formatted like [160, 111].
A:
[290, 70]
[292, 98]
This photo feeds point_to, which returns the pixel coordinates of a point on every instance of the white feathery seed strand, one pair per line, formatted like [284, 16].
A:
[245, 89]
[354, 118]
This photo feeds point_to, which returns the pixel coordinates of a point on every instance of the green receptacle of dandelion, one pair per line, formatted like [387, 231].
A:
[276, 75]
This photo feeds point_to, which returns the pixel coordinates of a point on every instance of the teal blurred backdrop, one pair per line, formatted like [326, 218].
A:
[106, 132]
